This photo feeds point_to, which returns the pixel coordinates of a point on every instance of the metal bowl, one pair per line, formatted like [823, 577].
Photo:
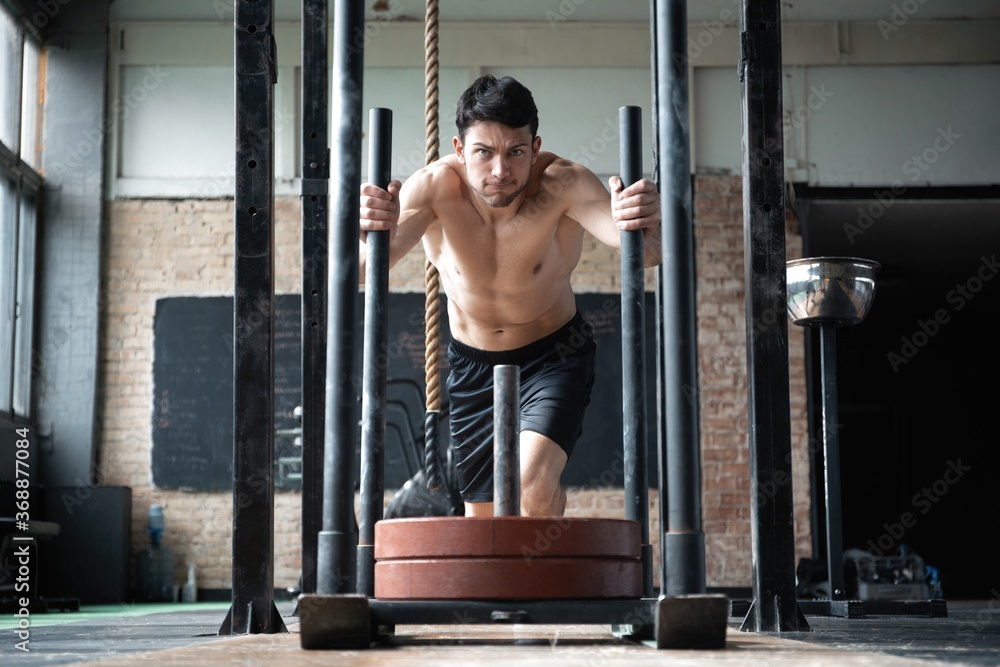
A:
[830, 290]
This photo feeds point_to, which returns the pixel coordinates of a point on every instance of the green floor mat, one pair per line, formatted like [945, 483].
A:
[106, 611]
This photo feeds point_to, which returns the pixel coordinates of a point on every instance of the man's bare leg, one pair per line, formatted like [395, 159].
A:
[542, 463]
[479, 509]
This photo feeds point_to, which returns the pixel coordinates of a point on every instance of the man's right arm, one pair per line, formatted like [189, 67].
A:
[404, 211]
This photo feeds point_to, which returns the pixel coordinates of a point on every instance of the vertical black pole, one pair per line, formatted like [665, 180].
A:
[774, 608]
[506, 440]
[375, 371]
[682, 565]
[831, 455]
[253, 609]
[337, 541]
[315, 183]
[661, 371]
[634, 349]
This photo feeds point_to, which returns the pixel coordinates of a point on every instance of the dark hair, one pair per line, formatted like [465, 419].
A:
[503, 100]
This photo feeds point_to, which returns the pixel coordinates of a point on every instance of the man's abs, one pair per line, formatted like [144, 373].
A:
[507, 322]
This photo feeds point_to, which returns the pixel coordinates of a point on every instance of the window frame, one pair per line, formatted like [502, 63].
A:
[27, 183]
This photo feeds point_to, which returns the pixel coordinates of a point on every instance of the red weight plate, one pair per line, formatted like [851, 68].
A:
[508, 579]
[465, 537]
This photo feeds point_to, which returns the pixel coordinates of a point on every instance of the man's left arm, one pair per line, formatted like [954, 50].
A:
[604, 216]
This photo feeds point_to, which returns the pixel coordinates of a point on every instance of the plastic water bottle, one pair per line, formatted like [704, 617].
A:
[155, 563]
[190, 590]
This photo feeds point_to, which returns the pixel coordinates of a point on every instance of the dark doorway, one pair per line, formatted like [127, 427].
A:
[919, 379]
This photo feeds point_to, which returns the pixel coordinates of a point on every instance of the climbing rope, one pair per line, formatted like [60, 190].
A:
[432, 283]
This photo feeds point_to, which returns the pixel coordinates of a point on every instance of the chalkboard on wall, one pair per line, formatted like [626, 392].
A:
[192, 416]
[193, 388]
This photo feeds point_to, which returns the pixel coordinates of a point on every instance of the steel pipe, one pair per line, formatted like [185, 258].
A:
[506, 440]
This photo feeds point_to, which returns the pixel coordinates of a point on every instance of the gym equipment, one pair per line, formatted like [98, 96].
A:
[506, 556]
[432, 282]
[335, 546]
[375, 370]
[774, 607]
[253, 609]
[634, 352]
[687, 620]
[428, 573]
[682, 540]
[506, 440]
[827, 293]
[315, 209]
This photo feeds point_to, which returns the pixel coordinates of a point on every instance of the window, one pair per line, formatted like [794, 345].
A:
[20, 185]
[29, 104]
[8, 269]
[24, 307]
[10, 80]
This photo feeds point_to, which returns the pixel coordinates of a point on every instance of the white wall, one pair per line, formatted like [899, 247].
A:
[918, 125]
[859, 126]
[402, 90]
[862, 107]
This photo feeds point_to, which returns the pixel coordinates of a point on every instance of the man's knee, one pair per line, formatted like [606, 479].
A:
[541, 495]
[542, 463]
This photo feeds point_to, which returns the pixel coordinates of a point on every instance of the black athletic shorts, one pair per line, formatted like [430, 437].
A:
[557, 375]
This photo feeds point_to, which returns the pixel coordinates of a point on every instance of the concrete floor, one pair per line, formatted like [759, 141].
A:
[970, 635]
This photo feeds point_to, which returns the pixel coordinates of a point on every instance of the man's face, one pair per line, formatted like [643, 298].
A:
[497, 160]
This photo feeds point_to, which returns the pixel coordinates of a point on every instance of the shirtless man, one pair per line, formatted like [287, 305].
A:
[503, 222]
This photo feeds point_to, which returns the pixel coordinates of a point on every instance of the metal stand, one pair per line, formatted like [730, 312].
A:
[253, 609]
[828, 293]
[337, 542]
[376, 370]
[774, 607]
[315, 209]
[682, 541]
[354, 621]
[634, 350]
[689, 621]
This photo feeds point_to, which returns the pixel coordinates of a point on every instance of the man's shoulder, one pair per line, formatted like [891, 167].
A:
[437, 178]
[550, 165]
[556, 173]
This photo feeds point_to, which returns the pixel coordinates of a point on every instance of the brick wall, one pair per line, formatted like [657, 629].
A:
[722, 359]
[160, 248]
